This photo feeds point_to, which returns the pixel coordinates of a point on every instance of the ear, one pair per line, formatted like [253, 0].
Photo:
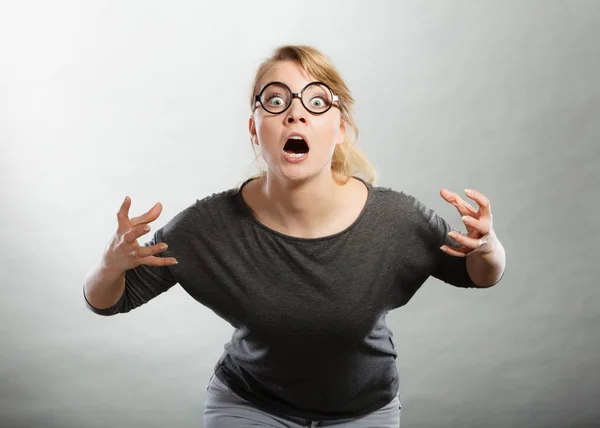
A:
[342, 132]
[252, 130]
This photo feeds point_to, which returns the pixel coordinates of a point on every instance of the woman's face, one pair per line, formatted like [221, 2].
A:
[321, 132]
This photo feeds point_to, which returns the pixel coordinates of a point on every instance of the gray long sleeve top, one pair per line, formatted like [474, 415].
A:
[310, 336]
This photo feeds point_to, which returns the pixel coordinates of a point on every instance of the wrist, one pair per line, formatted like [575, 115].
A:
[489, 243]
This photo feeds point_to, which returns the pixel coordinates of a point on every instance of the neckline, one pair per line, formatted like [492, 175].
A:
[257, 222]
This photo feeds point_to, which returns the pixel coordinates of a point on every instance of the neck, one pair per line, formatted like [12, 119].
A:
[302, 206]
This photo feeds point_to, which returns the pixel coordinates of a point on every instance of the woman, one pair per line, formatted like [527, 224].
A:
[304, 260]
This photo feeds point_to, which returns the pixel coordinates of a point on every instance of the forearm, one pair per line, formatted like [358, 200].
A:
[103, 288]
[486, 267]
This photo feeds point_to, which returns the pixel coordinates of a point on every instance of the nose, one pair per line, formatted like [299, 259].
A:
[296, 111]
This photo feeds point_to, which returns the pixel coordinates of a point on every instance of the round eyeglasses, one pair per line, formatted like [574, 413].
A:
[277, 97]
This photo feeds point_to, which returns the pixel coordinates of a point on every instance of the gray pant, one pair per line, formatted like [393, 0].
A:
[225, 409]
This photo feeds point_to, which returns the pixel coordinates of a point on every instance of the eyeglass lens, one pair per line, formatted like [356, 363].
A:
[316, 97]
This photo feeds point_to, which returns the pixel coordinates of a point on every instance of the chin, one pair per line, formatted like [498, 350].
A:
[296, 174]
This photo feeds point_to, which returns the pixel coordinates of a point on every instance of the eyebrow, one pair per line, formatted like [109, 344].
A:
[288, 85]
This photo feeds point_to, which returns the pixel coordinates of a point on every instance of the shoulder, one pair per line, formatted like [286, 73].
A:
[208, 211]
[410, 212]
[219, 199]
[401, 202]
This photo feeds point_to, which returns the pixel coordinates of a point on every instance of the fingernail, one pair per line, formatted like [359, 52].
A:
[468, 191]
[465, 218]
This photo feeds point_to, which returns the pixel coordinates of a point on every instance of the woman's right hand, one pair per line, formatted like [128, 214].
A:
[123, 251]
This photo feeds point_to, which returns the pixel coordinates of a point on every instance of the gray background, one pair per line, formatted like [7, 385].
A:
[99, 100]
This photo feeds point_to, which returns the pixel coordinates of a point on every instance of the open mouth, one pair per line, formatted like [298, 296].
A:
[296, 147]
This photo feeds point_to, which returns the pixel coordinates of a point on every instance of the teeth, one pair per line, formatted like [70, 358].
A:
[296, 137]
[295, 155]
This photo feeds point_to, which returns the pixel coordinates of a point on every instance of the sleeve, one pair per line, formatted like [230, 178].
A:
[144, 282]
[447, 268]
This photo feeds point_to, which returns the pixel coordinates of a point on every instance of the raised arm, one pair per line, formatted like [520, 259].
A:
[128, 274]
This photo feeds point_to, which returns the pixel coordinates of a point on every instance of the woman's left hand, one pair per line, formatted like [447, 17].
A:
[480, 236]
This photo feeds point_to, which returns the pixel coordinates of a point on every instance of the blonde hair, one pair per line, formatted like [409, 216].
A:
[348, 160]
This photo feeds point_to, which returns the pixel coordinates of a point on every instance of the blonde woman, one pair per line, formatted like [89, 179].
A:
[304, 260]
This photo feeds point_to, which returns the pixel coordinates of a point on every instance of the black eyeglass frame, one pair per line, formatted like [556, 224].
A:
[257, 101]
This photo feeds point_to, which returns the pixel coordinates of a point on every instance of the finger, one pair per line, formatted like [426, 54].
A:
[135, 233]
[466, 241]
[148, 217]
[159, 261]
[150, 250]
[483, 202]
[457, 252]
[451, 197]
[466, 205]
[463, 207]
[481, 226]
[123, 215]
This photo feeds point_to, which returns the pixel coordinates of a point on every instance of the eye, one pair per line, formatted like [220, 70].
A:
[276, 101]
[317, 102]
